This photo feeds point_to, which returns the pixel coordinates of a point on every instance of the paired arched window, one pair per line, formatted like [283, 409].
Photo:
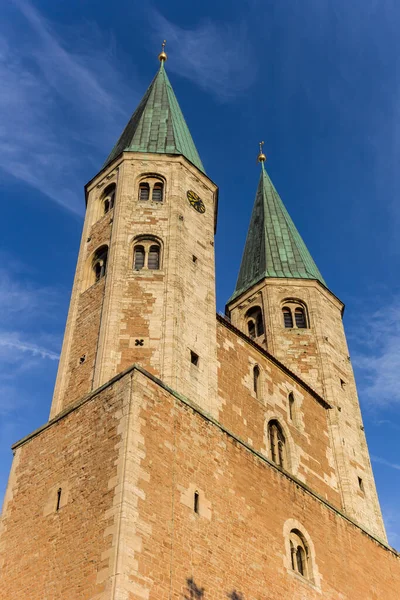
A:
[146, 255]
[108, 198]
[299, 554]
[256, 380]
[99, 263]
[152, 187]
[294, 315]
[277, 444]
[255, 323]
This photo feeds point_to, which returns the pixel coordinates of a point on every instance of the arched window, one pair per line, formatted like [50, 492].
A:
[144, 191]
[299, 553]
[146, 254]
[153, 261]
[251, 326]
[138, 258]
[157, 192]
[300, 318]
[108, 198]
[291, 406]
[255, 323]
[294, 315]
[277, 444]
[99, 263]
[287, 318]
[256, 377]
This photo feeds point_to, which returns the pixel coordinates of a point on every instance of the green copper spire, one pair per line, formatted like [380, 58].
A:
[274, 247]
[158, 125]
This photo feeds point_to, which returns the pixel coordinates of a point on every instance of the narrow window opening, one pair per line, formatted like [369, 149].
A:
[196, 503]
[153, 261]
[144, 191]
[157, 192]
[255, 323]
[108, 198]
[342, 384]
[100, 262]
[194, 358]
[300, 560]
[277, 444]
[361, 484]
[251, 329]
[138, 261]
[291, 406]
[106, 206]
[300, 318]
[59, 491]
[194, 258]
[287, 318]
[256, 376]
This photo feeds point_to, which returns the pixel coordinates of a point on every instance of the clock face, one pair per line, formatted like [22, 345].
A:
[196, 201]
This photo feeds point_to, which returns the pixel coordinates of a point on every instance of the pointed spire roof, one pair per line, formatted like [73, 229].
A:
[158, 125]
[274, 247]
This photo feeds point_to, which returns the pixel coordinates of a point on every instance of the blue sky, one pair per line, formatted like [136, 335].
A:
[317, 80]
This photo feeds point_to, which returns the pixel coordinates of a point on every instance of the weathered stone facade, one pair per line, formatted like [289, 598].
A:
[129, 459]
[184, 457]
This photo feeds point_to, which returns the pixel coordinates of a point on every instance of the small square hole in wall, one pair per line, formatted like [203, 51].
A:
[343, 384]
[194, 358]
[361, 484]
[82, 359]
[194, 258]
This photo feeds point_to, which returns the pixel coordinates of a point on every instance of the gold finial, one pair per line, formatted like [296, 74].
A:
[162, 57]
[261, 157]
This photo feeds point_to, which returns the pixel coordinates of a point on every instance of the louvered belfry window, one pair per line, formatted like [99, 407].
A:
[252, 329]
[300, 318]
[153, 261]
[144, 191]
[287, 318]
[139, 255]
[157, 192]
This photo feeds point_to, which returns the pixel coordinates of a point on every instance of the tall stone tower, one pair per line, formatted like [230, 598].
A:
[300, 322]
[191, 456]
[144, 290]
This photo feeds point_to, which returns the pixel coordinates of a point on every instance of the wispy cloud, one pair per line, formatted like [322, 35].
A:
[12, 341]
[377, 359]
[218, 57]
[50, 93]
[385, 462]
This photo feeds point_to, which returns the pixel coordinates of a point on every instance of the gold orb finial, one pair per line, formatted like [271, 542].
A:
[261, 157]
[162, 57]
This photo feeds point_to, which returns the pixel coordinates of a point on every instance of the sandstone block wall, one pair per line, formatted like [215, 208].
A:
[320, 356]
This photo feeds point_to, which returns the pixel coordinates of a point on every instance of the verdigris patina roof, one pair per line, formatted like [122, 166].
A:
[274, 247]
[158, 125]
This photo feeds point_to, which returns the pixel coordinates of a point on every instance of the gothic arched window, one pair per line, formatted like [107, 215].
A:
[108, 198]
[277, 444]
[153, 261]
[138, 258]
[255, 323]
[291, 406]
[287, 318]
[99, 262]
[294, 315]
[157, 192]
[146, 254]
[144, 191]
[299, 554]
[256, 378]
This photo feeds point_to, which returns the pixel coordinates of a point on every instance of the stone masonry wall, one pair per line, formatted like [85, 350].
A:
[247, 414]
[70, 553]
[320, 356]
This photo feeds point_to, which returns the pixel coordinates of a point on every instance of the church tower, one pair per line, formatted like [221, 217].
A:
[144, 290]
[282, 301]
[191, 456]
